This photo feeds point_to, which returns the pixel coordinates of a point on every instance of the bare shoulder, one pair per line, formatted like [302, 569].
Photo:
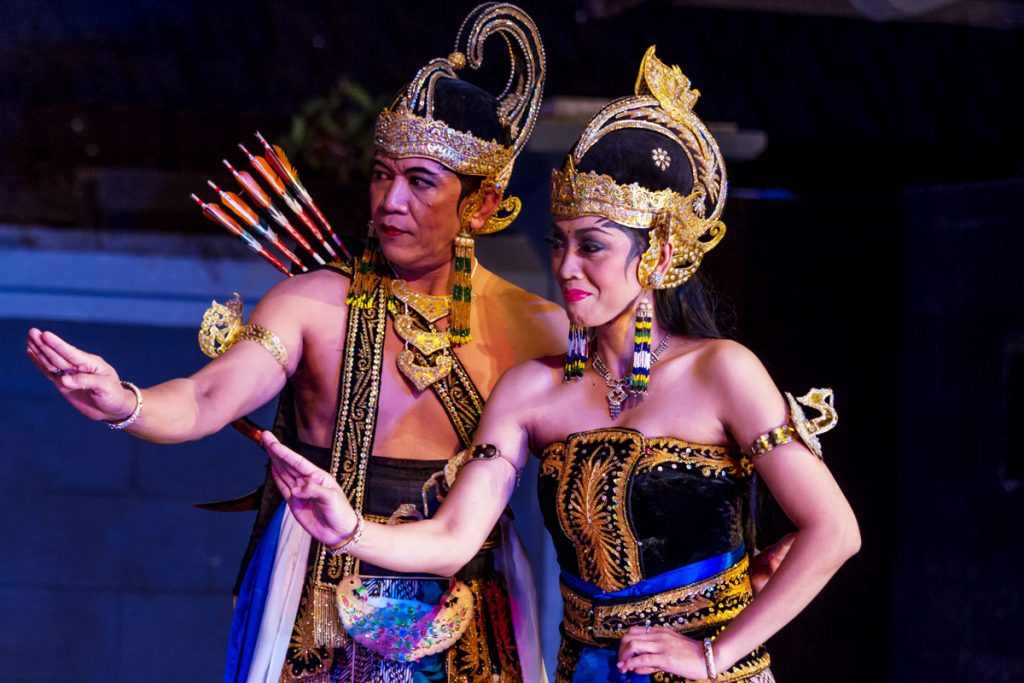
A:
[537, 325]
[736, 383]
[726, 361]
[527, 382]
[323, 285]
[299, 302]
[505, 294]
[306, 292]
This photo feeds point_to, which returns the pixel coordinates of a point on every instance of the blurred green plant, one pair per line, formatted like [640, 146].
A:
[332, 136]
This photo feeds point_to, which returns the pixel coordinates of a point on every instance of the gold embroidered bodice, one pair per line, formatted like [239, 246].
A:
[622, 507]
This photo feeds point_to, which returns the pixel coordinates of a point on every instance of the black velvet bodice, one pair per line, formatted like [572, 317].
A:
[621, 507]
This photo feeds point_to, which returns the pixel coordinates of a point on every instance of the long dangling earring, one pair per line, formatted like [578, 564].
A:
[576, 356]
[370, 267]
[640, 377]
[462, 289]
[462, 285]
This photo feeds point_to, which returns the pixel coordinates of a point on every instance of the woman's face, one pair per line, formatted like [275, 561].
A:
[595, 264]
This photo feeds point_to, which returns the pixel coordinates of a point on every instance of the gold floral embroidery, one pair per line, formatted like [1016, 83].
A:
[554, 460]
[591, 505]
[593, 470]
[710, 461]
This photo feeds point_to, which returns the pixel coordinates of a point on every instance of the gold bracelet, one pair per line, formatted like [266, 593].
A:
[709, 660]
[268, 340]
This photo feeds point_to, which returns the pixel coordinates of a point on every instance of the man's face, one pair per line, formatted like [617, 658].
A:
[414, 204]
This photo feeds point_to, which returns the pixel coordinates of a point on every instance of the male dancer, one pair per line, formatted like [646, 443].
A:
[386, 375]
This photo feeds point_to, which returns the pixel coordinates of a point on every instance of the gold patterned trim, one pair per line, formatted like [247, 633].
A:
[268, 340]
[401, 134]
[589, 497]
[709, 461]
[554, 460]
[699, 605]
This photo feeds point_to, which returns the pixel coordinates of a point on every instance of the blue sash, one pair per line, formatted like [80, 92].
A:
[252, 597]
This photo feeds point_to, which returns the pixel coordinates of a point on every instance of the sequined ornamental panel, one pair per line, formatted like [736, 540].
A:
[594, 471]
[591, 506]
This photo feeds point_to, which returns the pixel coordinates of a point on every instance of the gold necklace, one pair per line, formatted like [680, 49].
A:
[434, 363]
[620, 391]
[432, 308]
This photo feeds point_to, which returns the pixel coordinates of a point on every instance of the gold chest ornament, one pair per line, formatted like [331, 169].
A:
[433, 363]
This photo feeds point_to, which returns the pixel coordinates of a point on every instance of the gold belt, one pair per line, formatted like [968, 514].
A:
[702, 604]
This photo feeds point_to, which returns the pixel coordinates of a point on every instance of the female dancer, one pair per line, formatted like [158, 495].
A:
[646, 454]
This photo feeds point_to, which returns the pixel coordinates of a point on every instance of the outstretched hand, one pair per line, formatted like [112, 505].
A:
[313, 496]
[87, 381]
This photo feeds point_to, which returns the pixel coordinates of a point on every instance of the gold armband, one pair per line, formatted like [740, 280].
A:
[222, 327]
[268, 340]
[798, 425]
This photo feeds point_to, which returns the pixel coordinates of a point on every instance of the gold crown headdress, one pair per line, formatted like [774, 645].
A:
[663, 104]
[408, 128]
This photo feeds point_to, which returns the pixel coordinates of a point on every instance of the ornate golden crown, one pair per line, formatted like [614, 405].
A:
[663, 104]
[403, 134]
[408, 128]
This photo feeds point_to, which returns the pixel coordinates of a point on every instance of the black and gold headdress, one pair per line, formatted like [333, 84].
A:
[648, 162]
[438, 116]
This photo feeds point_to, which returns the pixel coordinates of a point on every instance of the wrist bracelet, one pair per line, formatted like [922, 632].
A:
[709, 660]
[121, 424]
[352, 542]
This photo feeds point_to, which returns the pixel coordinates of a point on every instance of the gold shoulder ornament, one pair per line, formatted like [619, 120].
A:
[222, 327]
[799, 426]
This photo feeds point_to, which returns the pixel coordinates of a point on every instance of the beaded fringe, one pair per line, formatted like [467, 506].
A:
[462, 290]
[327, 629]
[371, 266]
[640, 377]
[576, 356]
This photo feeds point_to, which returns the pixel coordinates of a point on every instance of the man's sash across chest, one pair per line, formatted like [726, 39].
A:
[358, 405]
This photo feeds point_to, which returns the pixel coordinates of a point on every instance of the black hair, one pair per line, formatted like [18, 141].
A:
[470, 184]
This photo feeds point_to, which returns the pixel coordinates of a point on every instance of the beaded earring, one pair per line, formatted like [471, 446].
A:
[640, 377]
[462, 281]
[576, 356]
[462, 289]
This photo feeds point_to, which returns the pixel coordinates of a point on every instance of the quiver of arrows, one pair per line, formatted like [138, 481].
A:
[315, 242]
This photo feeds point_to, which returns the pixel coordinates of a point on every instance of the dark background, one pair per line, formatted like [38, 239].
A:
[872, 247]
